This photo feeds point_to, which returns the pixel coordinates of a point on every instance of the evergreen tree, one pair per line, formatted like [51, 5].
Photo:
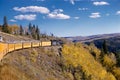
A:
[52, 34]
[21, 30]
[37, 30]
[0, 27]
[38, 37]
[104, 46]
[5, 21]
[33, 32]
[37, 33]
[33, 29]
[5, 25]
[30, 28]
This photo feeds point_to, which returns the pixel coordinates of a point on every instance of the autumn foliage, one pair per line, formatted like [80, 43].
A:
[78, 55]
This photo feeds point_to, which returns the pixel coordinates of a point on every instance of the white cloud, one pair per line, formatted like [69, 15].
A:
[82, 9]
[57, 14]
[12, 20]
[95, 15]
[58, 10]
[72, 2]
[38, 9]
[101, 3]
[29, 17]
[118, 12]
[76, 17]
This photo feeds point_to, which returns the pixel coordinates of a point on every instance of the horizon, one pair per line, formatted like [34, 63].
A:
[65, 18]
[92, 35]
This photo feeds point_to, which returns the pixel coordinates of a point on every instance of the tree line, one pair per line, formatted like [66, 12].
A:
[31, 30]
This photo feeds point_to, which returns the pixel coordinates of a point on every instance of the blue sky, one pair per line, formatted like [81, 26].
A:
[64, 17]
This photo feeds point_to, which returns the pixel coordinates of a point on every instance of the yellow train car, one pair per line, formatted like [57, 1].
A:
[3, 50]
[46, 43]
[27, 45]
[8, 47]
[11, 47]
[35, 44]
[40, 43]
[18, 46]
[2, 47]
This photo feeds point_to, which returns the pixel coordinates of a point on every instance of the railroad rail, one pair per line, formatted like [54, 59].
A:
[9, 47]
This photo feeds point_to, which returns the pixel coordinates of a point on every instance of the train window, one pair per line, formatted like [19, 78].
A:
[1, 38]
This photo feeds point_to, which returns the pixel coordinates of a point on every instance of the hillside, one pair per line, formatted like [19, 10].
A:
[92, 37]
[75, 62]
[113, 41]
[71, 61]
[12, 38]
[32, 64]
[113, 44]
[79, 56]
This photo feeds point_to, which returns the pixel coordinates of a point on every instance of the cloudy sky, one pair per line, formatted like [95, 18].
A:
[64, 17]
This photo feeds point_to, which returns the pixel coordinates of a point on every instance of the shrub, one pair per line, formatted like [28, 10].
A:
[116, 72]
[23, 61]
[68, 75]
[94, 51]
[108, 62]
[33, 55]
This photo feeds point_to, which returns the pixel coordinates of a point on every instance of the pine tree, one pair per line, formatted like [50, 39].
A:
[37, 33]
[37, 30]
[21, 30]
[33, 32]
[30, 28]
[104, 46]
[0, 27]
[5, 25]
[52, 34]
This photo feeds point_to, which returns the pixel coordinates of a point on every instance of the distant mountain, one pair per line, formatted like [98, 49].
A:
[92, 37]
[113, 41]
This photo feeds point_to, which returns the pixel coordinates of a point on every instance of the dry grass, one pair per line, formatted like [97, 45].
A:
[10, 37]
[31, 64]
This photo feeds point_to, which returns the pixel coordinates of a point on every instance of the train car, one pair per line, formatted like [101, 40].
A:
[9, 47]
[46, 43]
[56, 42]
[27, 45]
[18, 46]
[35, 44]
[1, 38]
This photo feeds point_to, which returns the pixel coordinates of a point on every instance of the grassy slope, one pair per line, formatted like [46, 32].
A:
[31, 64]
[10, 37]
[43, 64]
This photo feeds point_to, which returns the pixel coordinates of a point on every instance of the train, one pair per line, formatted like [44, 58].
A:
[6, 47]
[9, 47]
